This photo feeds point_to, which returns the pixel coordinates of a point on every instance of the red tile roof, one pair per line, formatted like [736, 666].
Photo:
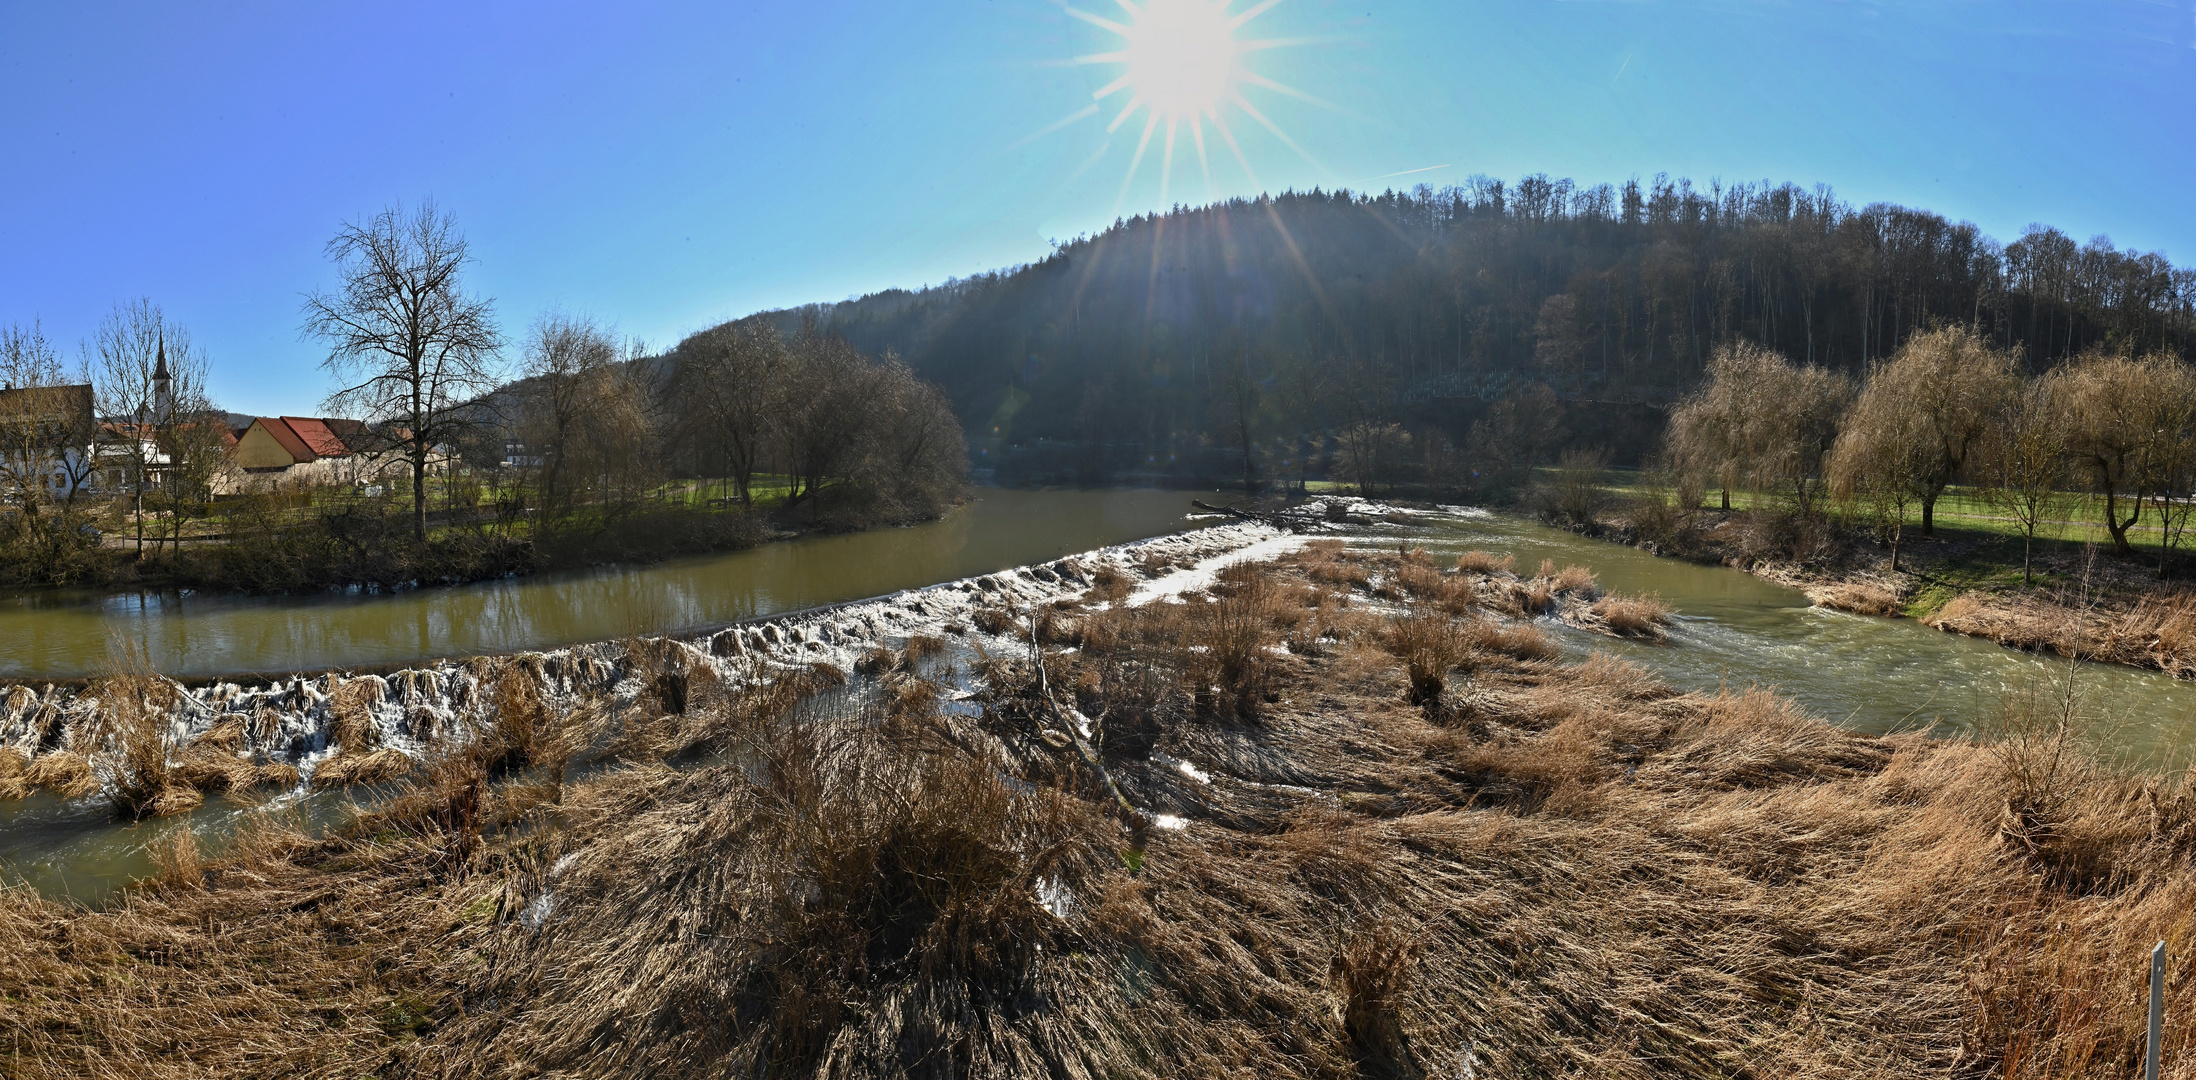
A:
[309, 438]
[295, 446]
[319, 435]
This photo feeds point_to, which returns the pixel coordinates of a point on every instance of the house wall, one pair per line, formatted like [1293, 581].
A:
[259, 450]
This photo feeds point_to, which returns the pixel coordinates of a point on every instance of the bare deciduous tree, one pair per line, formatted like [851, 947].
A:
[1366, 454]
[723, 383]
[408, 344]
[46, 429]
[2022, 464]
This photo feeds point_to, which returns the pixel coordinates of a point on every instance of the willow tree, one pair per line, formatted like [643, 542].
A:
[1707, 433]
[1762, 422]
[1885, 461]
[2114, 410]
[2022, 464]
[407, 343]
[1948, 384]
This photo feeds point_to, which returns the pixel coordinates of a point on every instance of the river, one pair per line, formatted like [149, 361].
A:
[1732, 630]
[49, 635]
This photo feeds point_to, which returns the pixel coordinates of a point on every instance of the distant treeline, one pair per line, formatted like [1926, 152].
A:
[1263, 323]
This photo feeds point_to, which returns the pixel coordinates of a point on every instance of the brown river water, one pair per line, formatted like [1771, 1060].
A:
[1733, 630]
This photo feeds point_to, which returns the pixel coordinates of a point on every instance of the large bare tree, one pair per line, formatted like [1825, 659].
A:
[406, 342]
[721, 395]
[585, 422]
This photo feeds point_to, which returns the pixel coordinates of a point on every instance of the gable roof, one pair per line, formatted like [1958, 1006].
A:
[291, 444]
[325, 436]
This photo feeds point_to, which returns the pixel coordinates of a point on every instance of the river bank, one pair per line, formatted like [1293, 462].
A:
[2084, 602]
[1339, 812]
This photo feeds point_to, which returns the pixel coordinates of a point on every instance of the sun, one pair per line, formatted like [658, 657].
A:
[1182, 66]
[1180, 57]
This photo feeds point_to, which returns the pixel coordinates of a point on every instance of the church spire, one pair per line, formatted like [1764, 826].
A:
[163, 386]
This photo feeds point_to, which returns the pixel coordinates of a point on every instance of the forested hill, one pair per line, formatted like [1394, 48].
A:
[1263, 321]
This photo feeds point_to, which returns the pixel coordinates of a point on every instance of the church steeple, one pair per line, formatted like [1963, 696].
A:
[163, 387]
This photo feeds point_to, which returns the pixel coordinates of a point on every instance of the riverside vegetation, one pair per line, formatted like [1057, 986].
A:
[1339, 814]
[1834, 487]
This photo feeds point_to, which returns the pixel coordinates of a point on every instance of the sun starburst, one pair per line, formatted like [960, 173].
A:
[1182, 66]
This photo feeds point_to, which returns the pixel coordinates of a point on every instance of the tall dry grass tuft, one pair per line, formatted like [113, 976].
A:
[13, 765]
[1231, 671]
[1372, 975]
[1481, 562]
[1574, 580]
[133, 736]
[1633, 616]
[1431, 645]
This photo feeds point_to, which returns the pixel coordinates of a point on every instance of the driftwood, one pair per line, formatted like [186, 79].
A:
[1293, 521]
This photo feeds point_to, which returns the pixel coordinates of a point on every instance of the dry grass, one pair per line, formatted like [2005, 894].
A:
[1861, 598]
[1430, 645]
[994, 620]
[1480, 562]
[1595, 876]
[1633, 616]
[1574, 580]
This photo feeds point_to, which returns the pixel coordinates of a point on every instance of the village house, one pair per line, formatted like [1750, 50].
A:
[306, 451]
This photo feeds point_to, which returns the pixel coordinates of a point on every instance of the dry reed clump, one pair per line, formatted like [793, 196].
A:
[924, 647]
[1422, 583]
[1633, 616]
[1330, 562]
[1861, 598]
[1573, 580]
[1519, 641]
[1229, 666]
[63, 772]
[879, 660]
[1484, 563]
[13, 765]
[1109, 584]
[133, 747]
[994, 620]
[1430, 645]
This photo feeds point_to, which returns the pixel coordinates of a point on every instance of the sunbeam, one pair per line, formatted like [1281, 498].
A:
[1181, 65]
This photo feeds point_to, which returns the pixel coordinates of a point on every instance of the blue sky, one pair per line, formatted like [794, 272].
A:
[664, 166]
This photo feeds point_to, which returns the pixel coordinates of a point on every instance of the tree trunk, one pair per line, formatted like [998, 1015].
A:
[2116, 527]
[1929, 515]
[419, 492]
